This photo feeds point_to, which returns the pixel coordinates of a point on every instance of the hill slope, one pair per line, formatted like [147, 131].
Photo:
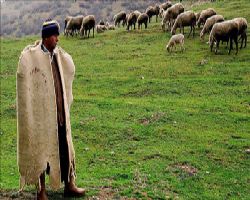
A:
[148, 124]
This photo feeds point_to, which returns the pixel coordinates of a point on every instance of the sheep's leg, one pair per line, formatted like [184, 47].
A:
[231, 45]
[182, 45]
[93, 32]
[217, 46]
[134, 26]
[211, 40]
[236, 43]
[241, 44]
[245, 41]
[191, 29]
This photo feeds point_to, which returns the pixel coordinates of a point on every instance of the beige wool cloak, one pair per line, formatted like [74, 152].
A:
[38, 143]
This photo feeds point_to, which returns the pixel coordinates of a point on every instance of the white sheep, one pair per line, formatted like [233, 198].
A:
[209, 24]
[110, 26]
[73, 24]
[100, 28]
[174, 40]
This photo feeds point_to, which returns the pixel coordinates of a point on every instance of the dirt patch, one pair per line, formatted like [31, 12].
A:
[184, 168]
[153, 118]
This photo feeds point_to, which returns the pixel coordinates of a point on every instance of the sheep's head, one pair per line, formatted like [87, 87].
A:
[168, 48]
[202, 35]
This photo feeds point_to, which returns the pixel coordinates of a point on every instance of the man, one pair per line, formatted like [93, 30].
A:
[44, 94]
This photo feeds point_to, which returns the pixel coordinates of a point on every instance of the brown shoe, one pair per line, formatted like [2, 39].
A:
[42, 196]
[71, 190]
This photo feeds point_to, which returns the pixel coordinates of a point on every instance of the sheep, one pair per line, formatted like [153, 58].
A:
[101, 22]
[224, 31]
[100, 28]
[66, 20]
[204, 15]
[185, 19]
[163, 7]
[153, 10]
[110, 26]
[142, 19]
[74, 24]
[197, 15]
[131, 20]
[174, 40]
[171, 14]
[137, 13]
[121, 16]
[242, 28]
[88, 23]
[209, 24]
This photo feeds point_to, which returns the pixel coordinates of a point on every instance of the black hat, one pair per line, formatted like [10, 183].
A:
[50, 27]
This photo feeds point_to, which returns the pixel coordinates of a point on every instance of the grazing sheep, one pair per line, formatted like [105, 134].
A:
[131, 20]
[137, 13]
[88, 23]
[110, 26]
[197, 15]
[204, 15]
[171, 14]
[66, 20]
[73, 25]
[242, 28]
[121, 16]
[153, 10]
[101, 28]
[142, 19]
[174, 40]
[185, 19]
[209, 24]
[101, 22]
[163, 7]
[224, 31]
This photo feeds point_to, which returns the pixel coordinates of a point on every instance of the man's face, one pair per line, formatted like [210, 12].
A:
[51, 42]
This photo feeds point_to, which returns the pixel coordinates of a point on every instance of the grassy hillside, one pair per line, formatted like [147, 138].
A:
[147, 124]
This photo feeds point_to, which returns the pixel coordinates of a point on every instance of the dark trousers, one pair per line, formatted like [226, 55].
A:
[64, 153]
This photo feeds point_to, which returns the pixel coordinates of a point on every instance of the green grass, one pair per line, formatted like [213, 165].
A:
[141, 115]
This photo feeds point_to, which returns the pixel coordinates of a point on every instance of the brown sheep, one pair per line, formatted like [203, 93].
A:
[137, 13]
[242, 28]
[204, 15]
[88, 23]
[153, 10]
[209, 24]
[224, 31]
[142, 19]
[185, 19]
[171, 14]
[131, 20]
[164, 6]
[121, 16]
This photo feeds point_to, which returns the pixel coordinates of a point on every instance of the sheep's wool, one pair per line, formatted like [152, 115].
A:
[38, 143]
